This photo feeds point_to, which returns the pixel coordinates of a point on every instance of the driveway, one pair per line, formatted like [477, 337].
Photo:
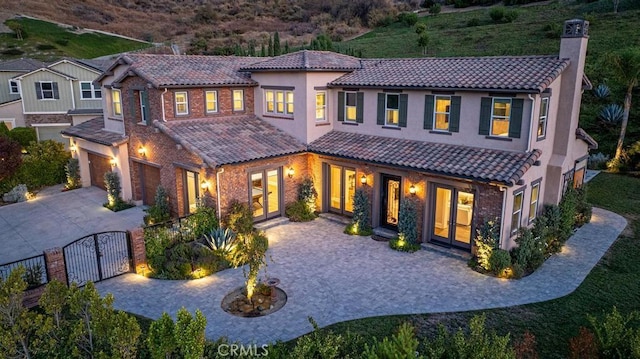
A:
[333, 277]
[55, 218]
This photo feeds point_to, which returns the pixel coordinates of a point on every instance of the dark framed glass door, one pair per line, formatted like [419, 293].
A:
[452, 216]
[342, 188]
[390, 201]
[265, 191]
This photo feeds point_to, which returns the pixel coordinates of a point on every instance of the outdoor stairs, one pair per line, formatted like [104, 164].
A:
[383, 234]
[336, 218]
[271, 223]
[447, 251]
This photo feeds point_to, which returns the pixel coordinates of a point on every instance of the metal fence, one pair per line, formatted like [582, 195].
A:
[35, 270]
[177, 230]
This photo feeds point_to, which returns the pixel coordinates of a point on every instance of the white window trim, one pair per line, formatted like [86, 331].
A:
[544, 118]
[285, 102]
[93, 90]
[518, 211]
[346, 107]
[233, 100]
[11, 92]
[386, 110]
[113, 103]
[493, 115]
[53, 94]
[185, 103]
[435, 114]
[532, 216]
[323, 107]
[215, 101]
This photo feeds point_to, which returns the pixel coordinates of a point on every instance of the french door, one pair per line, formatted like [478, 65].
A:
[452, 216]
[390, 202]
[342, 188]
[191, 191]
[265, 193]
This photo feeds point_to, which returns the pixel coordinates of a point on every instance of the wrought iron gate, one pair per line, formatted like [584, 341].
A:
[97, 257]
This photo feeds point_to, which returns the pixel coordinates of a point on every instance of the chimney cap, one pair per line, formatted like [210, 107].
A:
[576, 28]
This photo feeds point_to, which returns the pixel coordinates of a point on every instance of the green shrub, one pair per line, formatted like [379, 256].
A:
[4, 130]
[202, 221]
[239, 218]
[583, 208]
[221, 241]
[33, 275]
[402, 245]
[474, 21]
[72, 170]
[62, 42]
[298, 211]
[529, 254]
[361, 220]
[325, 346]
[499, 261]
[403, 344]
[44, 165]
[160, 211]
[11, 158]
[308, 194]
[487, 241]
[497, 14]
[408, 18]
[408, 221]
[435, 9]
[510, 15]
[568, 205]
[24, 136]
[615, 335]
[189, 333]
[114, 191]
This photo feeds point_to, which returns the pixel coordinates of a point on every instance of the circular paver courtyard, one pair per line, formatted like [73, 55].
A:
[333, 277]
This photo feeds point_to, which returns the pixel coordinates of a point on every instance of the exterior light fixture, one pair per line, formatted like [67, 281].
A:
[363, 179]
[204, 185]
[142, 151]
[412, 189]
[73, 148]
[290, 172]
[113, 162]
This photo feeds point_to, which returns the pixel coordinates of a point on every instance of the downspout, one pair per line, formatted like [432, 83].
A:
[73, 97]
[503, 189]
[162, 105]
[531, 123]
[220, 170]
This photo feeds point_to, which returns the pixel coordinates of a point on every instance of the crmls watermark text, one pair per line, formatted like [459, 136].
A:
[253, 350]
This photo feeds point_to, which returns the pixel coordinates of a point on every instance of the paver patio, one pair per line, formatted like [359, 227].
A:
[55, 218]
[334, 277]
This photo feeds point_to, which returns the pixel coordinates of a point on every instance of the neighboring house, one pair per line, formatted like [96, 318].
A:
[469, 139]
[60, 95]
[10, 101]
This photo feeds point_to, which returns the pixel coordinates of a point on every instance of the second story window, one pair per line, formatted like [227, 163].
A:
[441, 112]
[321, 106]
[238, 100]
[533, 203]
[516, 215]
[182, 103]
[89, 91]
[47, 90]
[392, 110]
[211, 99]
[501, 117]
[350, 106]
[542, 119]
[278, 102]
[116, 101]
[13, 87]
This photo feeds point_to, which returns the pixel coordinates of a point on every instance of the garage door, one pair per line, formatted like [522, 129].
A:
[52, 133]
[149, 182]
[98, 166]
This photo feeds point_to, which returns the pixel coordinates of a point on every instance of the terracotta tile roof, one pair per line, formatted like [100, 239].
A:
[228, 140]
[306, 60]
[583, 135]
[21, 65]
[479, 164]
[93, 131]
[189, 70]
[507, 73]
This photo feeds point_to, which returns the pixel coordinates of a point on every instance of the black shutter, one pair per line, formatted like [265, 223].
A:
[38, 91]
[341, 106]
[485, 116]
[515, 120]
[454, 114]
[56, 94]
[132, 107]
[381, 101]
[404, 100]
[360, 107]
[428, 112]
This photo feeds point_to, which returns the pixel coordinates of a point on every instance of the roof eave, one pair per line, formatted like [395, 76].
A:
[428, 88]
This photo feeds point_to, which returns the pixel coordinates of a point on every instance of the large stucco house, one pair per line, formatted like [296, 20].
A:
[469, 139]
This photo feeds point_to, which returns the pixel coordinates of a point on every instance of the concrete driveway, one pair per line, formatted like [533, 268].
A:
[55, 218]
[334, 277]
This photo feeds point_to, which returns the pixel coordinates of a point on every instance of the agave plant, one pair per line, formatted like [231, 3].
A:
[611, 114]
[601, 91]
[220, 240]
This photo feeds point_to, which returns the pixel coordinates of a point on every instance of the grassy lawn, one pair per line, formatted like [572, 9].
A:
[46, 41]
[613, 282]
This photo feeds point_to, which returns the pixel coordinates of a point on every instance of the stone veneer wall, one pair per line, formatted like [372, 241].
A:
[46, 118]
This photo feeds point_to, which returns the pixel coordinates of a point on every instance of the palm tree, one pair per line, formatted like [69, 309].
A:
[626, 68]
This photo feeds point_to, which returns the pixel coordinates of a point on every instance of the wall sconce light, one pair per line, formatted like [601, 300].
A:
[290, 172]
[363, 179]
[113, 162]
[204, 185]
[73, 148]
[142, 151]
[412, 190]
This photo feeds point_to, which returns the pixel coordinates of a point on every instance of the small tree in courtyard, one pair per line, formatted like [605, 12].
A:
[361, 220]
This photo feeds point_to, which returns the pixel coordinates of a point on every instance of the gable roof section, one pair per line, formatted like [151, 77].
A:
[93, 131]
[306, 60]
[583, 135]
[530, 74]
[55, 72]
[21, 65]
[85, 64]
[230, 140]
[187, 70]
[480, 164]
